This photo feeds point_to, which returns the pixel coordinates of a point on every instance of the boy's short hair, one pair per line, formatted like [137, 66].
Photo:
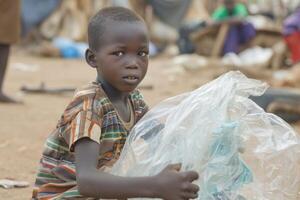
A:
[98, 22]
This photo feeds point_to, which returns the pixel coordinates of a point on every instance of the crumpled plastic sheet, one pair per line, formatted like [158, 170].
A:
[239, 151]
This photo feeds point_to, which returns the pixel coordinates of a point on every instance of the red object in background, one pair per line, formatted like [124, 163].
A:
[293, 43]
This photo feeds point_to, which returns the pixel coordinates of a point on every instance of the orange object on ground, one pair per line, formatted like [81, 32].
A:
[293, 43]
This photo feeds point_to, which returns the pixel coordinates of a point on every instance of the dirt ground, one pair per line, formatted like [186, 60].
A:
[24, 128]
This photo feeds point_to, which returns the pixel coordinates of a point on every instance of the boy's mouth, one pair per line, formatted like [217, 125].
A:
[131, 79]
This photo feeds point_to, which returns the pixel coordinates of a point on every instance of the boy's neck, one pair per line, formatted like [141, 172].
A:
[113, 94]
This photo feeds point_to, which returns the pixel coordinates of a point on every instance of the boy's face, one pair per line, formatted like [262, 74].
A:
[122, 56]
[229, 4]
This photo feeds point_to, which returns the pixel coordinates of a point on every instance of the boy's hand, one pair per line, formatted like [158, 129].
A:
[175, 185]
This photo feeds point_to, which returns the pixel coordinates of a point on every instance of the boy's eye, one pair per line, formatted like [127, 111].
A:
[143, 53]
[118, 53]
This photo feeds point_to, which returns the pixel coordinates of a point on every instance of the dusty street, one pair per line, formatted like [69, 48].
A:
[24, 128]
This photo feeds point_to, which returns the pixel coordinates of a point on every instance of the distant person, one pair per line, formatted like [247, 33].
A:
[93, 129]
[291, 32]
[9, 34]
[240, 31]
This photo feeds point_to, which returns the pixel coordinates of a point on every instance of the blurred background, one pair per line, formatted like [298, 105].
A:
[192, 43]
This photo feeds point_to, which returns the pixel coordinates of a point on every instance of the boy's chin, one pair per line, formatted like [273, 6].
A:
[128, 89]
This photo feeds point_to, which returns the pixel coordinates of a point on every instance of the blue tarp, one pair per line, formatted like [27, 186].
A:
[35, 11]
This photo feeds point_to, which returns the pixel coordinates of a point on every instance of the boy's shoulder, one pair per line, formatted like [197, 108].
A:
[94, 90]
[89, 90]
[92, 98]
[84, 97]
[93, 94]
[83, 100]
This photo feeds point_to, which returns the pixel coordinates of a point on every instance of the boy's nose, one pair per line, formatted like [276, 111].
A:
[132, 64]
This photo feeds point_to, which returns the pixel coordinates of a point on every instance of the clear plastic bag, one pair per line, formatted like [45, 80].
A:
[239, 151]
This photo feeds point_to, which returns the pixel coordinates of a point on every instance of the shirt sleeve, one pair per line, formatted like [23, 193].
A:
[241, 10]
[219, 13]
[84, 125]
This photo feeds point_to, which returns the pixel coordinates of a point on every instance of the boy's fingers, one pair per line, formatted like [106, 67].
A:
[193, 188]
[175, 167]
[189, 195]
[191, 176]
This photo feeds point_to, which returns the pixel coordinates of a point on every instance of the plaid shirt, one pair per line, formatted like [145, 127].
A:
[90, 114]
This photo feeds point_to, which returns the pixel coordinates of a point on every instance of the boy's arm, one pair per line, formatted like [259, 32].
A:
[169, 184]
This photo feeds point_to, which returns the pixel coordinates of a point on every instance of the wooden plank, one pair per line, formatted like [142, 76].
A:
[218, 46]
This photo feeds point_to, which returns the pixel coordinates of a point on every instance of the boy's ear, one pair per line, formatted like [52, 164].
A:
[90, 58]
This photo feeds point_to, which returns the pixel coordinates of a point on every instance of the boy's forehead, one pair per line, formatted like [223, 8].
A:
[119, 32]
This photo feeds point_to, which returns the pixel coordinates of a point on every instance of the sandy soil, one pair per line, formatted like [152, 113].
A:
[24, 128]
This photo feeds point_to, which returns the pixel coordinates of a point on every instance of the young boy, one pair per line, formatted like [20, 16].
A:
[91, 133]
[240, 31]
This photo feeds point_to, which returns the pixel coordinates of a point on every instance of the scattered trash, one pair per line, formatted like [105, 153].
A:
[42, 89]
[190, 61]
[281, 74]
[260, 22]
[287, 78]
[262, 57]
[70, 49]
[9, 183]
[25, 67]
[175, 70]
